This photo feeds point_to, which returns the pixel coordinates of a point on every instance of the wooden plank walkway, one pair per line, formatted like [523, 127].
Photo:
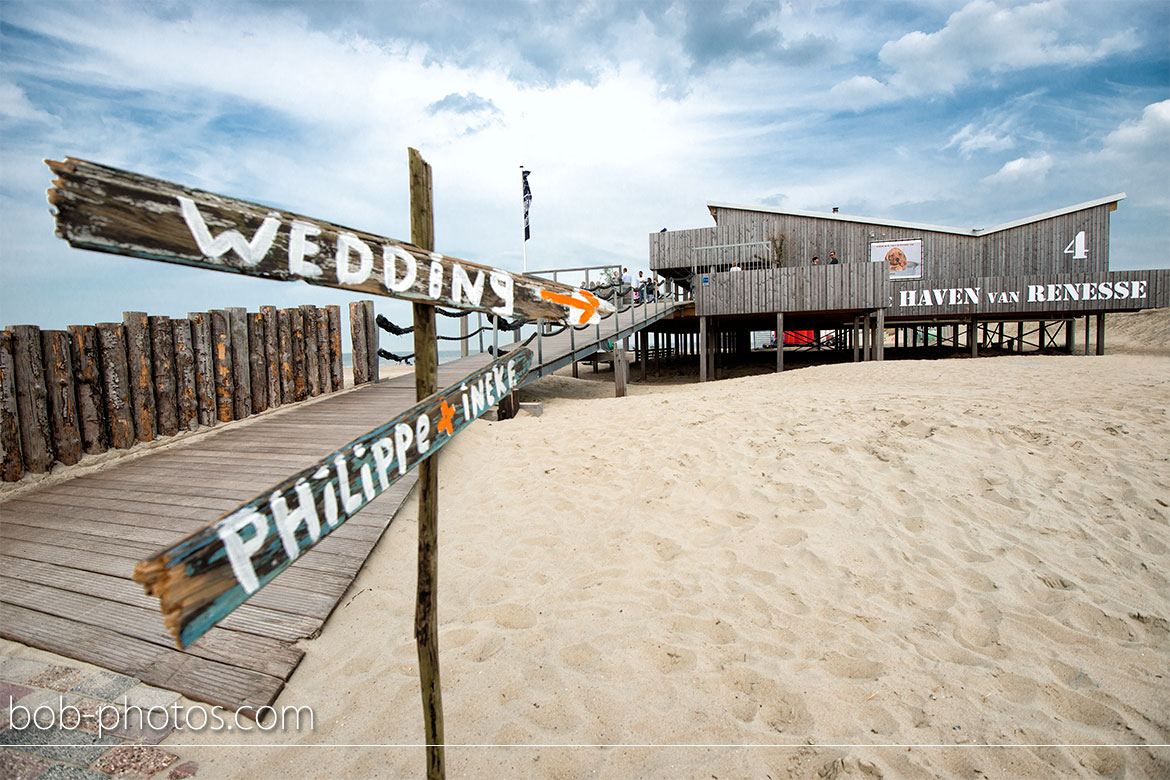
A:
[67, 551]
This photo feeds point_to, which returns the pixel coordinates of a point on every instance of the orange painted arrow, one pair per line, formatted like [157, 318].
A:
[584, 300]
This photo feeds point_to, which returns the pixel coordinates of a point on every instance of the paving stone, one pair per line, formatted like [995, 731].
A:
[19, 765]
[39, 700]
[74, 746]
[19, 670]
[183, 771]
[136, 725]
[57, 678]
[135, 761]
[147, 696]
[64, 772]
[91, 710]
[104, 685]
[10, 694]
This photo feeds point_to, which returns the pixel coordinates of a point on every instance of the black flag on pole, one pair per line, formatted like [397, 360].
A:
[527, 194]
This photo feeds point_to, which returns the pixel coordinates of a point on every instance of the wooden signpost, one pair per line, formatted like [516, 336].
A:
[110, 210]
[202, 578]
[205, 576]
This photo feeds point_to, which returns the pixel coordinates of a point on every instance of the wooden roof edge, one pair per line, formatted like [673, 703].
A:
[713, 206]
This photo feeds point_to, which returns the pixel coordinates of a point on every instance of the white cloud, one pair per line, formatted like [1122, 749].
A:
[1022, 169]
[985, 38]
[979, 138]
[15, 106]
[1148, 134]
[860, 93]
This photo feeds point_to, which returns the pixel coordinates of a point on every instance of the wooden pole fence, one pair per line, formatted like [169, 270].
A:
[91, 388]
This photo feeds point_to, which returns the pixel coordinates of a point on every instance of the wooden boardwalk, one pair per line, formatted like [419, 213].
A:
[67, 551]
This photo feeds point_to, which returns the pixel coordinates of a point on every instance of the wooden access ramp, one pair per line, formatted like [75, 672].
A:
[67, 551]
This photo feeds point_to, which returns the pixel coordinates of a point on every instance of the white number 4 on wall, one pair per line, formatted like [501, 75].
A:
[1076, 247]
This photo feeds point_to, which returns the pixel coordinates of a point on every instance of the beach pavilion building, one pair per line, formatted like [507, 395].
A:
[1023, 283]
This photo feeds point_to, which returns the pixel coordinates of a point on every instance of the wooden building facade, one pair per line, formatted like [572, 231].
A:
[758, 261]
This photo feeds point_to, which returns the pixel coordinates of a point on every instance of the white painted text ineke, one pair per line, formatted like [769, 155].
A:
[461, 287]
[1035, 293]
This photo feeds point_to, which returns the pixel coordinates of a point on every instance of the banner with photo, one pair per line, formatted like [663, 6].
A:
[904, 258]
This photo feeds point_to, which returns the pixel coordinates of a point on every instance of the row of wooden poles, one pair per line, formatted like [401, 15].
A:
[92, 388]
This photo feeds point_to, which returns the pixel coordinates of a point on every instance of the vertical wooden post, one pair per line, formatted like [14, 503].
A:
[880, 334]
[203, 347]
[463, 330]
[336, 369]
[702, 349]
[141, 382]
[312, 371]
[372, 338]
[300, 376]
[324, 374]
[187, 397]
[866, 336]
[644, 348]
[360, 344]
[12, 466]
[284, 341]
[116, 381]
[1101, 333]
[162, 349]
[241, 368]
[426, 362]
[973, 337]
[779, 341]
[855, 339]
[257, 361]
[221, 355]
[620, 370]
[87, 376]
[32, 399]
[61, 395]
[272, 354]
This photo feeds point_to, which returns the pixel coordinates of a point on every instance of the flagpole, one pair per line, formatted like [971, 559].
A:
[523, 222]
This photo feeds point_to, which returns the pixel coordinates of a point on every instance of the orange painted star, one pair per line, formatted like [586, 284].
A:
[448, 412]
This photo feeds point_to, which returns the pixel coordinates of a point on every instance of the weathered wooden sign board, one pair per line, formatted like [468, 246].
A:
[202, 578]
[111, 210]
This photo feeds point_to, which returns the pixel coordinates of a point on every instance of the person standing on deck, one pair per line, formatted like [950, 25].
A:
[816, 260]
[833, 257]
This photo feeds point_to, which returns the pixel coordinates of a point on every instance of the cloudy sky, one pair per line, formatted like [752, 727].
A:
[631, 116]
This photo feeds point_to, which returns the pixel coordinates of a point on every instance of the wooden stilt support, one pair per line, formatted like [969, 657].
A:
[779, 341]
[857, 339]
[621, 371]
[644, 338]
[702, 349]
[426, 362]
[1101, 333]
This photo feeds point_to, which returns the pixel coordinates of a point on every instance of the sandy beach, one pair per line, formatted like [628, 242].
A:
[900, 569]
